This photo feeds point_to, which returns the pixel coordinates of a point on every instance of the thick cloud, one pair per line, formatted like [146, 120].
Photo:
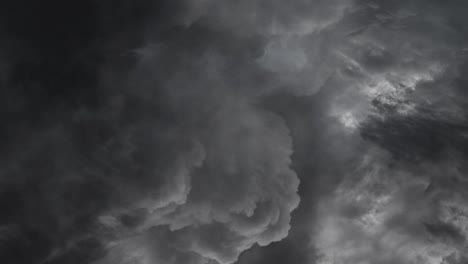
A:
[164, 143]
[233, 189]
[402, 202]
[188, 132]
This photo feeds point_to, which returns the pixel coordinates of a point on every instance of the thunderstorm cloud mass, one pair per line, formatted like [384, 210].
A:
[234, 132]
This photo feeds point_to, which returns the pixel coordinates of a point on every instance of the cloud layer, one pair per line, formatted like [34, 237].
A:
[243, 131]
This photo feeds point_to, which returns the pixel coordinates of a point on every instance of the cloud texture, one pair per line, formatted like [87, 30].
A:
[250, 131]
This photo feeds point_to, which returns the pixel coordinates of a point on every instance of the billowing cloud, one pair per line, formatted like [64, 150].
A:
[213, 132]
[215, 203]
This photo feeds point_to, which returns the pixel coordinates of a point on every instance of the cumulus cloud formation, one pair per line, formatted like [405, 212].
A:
[226, 194]
[216, 132]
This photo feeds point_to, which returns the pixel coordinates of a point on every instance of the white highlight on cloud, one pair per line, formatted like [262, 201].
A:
[348, 120]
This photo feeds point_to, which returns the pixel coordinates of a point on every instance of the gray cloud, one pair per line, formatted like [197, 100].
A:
[188, 132]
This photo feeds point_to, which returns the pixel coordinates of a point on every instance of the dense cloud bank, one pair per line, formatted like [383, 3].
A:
[248, 131]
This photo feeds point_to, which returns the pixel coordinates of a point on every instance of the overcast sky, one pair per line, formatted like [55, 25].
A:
[234, 131]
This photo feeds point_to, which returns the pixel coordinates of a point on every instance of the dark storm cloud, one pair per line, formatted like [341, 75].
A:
[52, 185]
[177, 132]
[130, 152]
[399, 87]
[404, 100]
